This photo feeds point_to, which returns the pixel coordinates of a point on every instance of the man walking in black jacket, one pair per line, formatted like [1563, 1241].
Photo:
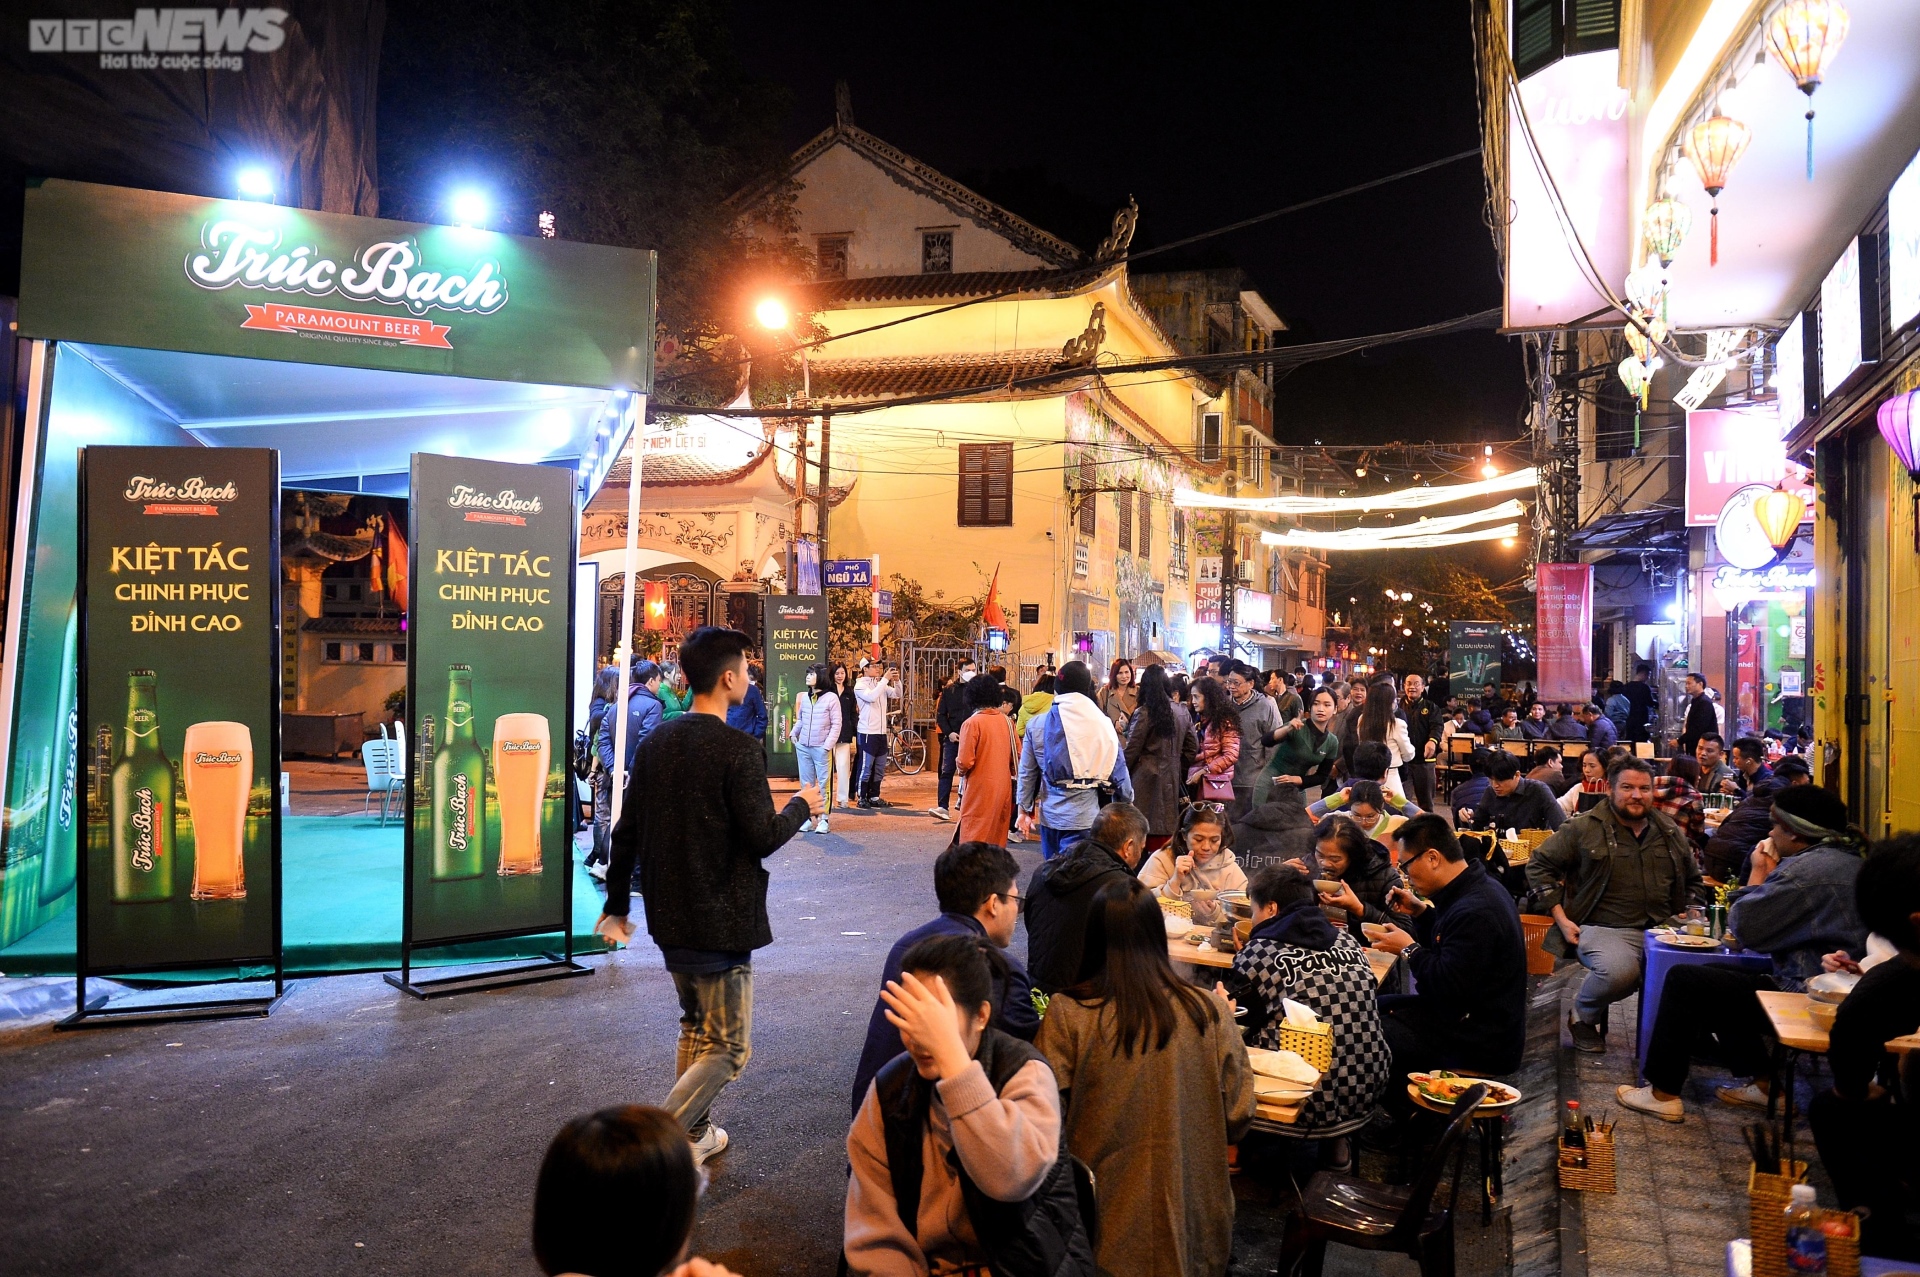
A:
[949, 715]
[1641, 705]
[699, 819]
[1700, 718]
[1468, 958]
[1060, 893]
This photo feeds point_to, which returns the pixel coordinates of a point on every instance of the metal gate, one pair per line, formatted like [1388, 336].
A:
[925, 666]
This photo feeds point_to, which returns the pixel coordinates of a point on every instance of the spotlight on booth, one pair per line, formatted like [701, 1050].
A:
[469, 209]
[254, 183]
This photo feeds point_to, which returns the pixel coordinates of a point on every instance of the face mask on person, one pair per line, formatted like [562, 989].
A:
[965, 675]
[812, 680]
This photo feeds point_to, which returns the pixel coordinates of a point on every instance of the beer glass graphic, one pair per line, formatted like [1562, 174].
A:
[522, 753]
[216, 763]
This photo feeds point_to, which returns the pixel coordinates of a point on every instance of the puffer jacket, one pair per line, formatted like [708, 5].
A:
[1370, 882]
[816, 720]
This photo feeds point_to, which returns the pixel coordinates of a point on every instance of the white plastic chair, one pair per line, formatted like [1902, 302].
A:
[386, 775]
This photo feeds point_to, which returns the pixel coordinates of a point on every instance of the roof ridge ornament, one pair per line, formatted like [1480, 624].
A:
[1115, 244]
[1081, 351]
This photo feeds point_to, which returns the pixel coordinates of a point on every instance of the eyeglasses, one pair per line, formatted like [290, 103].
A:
[1018, 901]
[1208, 806]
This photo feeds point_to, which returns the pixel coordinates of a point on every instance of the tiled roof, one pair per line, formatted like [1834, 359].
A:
[368, 626]
[695, 467]
[827, 294]
[890, 378]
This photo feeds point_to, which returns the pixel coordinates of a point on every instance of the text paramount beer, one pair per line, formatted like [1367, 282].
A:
[459, 786]
[140, 801]
[216, 763]
[522, 755]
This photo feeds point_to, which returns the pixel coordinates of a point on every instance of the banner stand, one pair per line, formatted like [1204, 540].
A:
[550, 966]
[96, 620]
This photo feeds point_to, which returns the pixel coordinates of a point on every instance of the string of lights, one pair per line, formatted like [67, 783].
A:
[1402, 499]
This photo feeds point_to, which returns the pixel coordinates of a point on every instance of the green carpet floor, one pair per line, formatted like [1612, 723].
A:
[342, 877]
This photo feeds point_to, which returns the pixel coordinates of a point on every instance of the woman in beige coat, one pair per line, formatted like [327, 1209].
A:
[1156, 1084]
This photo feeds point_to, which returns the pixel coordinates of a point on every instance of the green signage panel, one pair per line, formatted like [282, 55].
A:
[179, 701]
[231, 277]
[796, 640]
[1473, 656]
[488, 689]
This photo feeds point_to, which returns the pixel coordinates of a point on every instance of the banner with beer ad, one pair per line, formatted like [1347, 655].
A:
[1473, 656]
[489, 667]
[178, 713]
[1563, 605]
[796, 639]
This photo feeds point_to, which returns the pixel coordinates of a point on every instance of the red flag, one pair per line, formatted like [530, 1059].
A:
[396, 565]
[991, 616]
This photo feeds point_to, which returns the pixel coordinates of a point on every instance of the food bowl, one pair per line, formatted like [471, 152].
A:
[1177, 926]
[1327, 886]
[1239, 903]
[1832, 987]
[1374, 931]
[1822, 1014]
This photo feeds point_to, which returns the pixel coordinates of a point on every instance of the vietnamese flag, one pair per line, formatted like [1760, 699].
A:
[396, 565]
[991, 616]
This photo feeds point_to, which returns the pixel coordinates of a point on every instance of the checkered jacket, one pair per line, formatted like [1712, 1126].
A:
[1340, 987]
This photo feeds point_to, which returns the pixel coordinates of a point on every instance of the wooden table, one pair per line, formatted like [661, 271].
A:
[1793, 1031]
[1180, 951]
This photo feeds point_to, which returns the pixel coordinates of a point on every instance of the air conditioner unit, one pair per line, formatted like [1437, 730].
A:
[1245, 572]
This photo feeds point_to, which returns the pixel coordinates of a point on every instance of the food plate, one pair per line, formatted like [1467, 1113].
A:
[1680, 940]
[1445, 1088]
[1833, 986]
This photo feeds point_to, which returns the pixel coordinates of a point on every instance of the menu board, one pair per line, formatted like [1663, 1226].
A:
[177, 714]
[488, 694]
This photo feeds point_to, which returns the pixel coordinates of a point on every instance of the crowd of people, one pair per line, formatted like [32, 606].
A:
[1073, 1113]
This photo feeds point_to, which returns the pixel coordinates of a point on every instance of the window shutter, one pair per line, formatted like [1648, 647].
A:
[1089, 507]
[973, 485]
[1146, 525]
[1537, 35]
[999, 484]
[986, 485]
[1123, 508]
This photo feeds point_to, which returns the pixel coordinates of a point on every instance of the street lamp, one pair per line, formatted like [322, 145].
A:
[771, 314]
[1487, 469]
[254, 183]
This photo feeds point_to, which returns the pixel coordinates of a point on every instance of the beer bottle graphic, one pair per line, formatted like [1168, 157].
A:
[140, 804]
[459, 785]
[61, 854]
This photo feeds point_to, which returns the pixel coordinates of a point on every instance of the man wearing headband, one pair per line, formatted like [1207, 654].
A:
[1798, 903]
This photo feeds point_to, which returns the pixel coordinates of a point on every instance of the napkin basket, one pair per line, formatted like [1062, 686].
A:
[1312, 1043]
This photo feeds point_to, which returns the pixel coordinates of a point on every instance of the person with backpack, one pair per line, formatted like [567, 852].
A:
[1070, 752]
[644, 713]
[956, 1160]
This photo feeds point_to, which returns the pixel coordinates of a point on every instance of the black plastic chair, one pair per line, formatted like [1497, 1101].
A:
[1089, 1200]
[1369, 1216]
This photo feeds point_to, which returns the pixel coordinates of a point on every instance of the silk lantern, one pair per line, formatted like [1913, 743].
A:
[1715, 145]
[1804, 37]
[1779, 513]
[1897, 420]
[1665, 225]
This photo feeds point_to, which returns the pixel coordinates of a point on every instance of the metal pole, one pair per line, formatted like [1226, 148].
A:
[1229, 569]
[820, 511]
[623, 650]
[799, 503]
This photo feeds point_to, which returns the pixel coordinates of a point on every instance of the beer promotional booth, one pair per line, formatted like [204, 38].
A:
[193, 366]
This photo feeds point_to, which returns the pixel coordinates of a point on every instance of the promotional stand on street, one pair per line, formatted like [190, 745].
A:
[190, 361]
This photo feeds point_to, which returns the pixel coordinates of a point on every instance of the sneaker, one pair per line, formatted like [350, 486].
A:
[806, 826]
[938, 813]
[1587, 1037]
[820, 825]
[1641, 1099]
[597, 871]
[712, 1144]
[1749, 1096]
[1016, 836]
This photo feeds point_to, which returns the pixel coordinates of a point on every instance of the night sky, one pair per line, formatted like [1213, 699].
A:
[1208, 114]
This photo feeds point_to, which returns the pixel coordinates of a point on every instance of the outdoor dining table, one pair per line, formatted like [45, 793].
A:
[1180, 951]
[1795, 1033]
[1662, 958]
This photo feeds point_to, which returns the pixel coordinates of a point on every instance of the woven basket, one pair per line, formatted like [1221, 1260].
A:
[1314, 1045]
[1767, 1197]
[1596, 1176]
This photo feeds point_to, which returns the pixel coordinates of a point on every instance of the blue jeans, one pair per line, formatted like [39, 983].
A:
[873, 764]
[716, 1032]
[949, 763]
[815, 769]
[1057, 842]
[1614, 958]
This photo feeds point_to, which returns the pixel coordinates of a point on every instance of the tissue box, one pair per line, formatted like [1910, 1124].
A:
[1313, 1043]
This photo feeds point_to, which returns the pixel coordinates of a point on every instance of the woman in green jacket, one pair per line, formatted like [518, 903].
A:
[1304, 747]
[676, 698]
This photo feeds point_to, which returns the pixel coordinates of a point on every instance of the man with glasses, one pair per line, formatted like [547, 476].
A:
[977, 885]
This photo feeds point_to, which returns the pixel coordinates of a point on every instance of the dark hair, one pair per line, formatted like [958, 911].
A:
[1345, 833]
[1117, 824]
[1045, 683]
[1376, 716]
[1545, 755]
[1592, 707]
[1686, 767]
[1428, 832]
[1715, 737]
[1617, 767]
[1368, 792]
[964, 876]
[1316, 693]
[1697, 677]
[709, 652]
[982, 693]
[1125, 967]
[642, 671]
[1280, 885]
[632, 1162]
[1211, 815]
[1217, 714]
[958, 962]
[1887, 890]
[1119, 663]
[606, 684]
[1791, 765]
[998, 673]
[1156, 704]
[1074, 676]
[1480, 762]
[822, 679]
[1810, 802]
[1750, 747]
[1009, 695]
[1371, 759]
[839, 667]
[1504, 767]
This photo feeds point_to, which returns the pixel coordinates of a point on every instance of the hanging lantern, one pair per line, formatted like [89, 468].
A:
[1804, 37]
[1633, 375]
[1898, 417]
[1665, 225]
[1647, 289]
[1715, 146]
[1779, 513]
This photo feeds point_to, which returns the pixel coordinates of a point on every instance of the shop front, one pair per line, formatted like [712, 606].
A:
[396, 425]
